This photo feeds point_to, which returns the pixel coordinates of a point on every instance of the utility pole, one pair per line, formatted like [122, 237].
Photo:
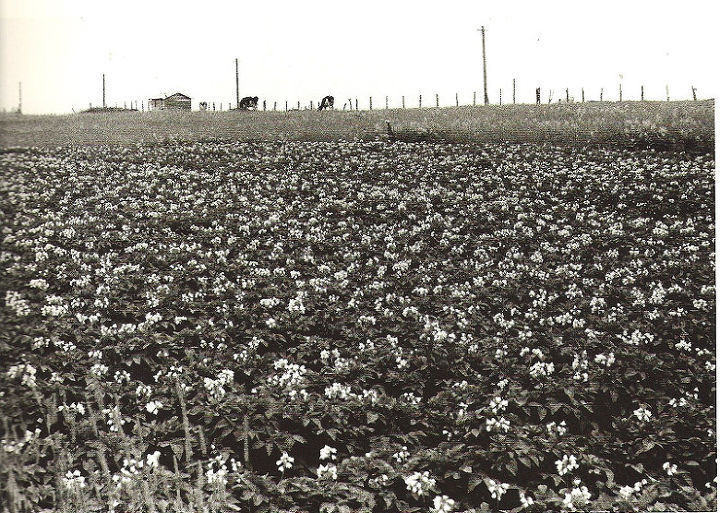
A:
[103, 90]
[237, 85]
[482, 30]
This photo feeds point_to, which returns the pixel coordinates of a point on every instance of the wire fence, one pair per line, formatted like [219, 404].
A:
[419, 101]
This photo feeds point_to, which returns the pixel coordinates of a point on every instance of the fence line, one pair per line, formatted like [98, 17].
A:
[354, 103]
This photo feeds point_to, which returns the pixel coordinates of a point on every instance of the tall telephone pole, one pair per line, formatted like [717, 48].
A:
[482, 30]
[237, 85]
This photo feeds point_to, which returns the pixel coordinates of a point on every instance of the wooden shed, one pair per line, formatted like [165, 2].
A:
[177, 101]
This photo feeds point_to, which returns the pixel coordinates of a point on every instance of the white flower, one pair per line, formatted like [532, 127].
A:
[153, 459]
[401, 456]
[153, 407]
[670, 469]
[296, 305]
[497, 489]
[526, 500]
[442, 504]
[39, 284]
[643, 414]
[626, 492]
[566, 464]
[143, 389]
[418, 484]
[75, 407]
[285, 462]
[577, 497]
[328, 470]
[336, 390]
[328, 452]
[539, 369]
[99, 369]
[73, 480]
[501, 424]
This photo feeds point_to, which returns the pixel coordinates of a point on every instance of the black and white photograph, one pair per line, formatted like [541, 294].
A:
[358, 257]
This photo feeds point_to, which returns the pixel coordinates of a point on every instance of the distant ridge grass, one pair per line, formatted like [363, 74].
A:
[680, 125]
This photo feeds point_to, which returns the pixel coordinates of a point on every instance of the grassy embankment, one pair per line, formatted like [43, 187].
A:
[663, 125]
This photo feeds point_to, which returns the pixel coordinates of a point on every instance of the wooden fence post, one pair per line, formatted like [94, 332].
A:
[274, 106]
[694, 92]
[601, 93]
[457, 100]
[420, 102]
[213, 105]
[371, 103]
[298, 104]
[474, 97]
[437, 100]
[620, 88]
[386, 103]
[567, 95]
[356, 104]
[311, 105]
[642, 93]
[263, 104]
[501, 96]
[286, 106]
[582, 91]
[513, 91]
[403, 101]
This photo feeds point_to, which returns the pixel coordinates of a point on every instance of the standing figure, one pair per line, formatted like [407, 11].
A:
[537, 96]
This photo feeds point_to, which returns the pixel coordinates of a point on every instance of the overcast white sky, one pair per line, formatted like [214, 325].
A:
[291, 50]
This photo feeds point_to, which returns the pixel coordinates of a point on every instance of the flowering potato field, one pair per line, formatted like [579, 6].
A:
[356, 326]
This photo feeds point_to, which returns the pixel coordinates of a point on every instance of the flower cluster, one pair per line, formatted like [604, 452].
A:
[419, 483]
[577, 497]
[216, 387]
[497, 489]
[566, 464]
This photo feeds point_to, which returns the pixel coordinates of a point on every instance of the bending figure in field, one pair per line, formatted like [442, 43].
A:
[327, 103]
[249, 102]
